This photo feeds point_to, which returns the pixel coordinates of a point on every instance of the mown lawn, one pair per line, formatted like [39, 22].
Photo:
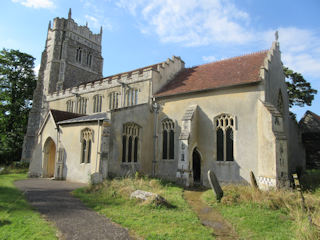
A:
[17, 219]
[112, 199]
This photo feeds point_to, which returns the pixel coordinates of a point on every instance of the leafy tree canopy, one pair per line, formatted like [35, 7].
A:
[300, 91]
[17, 81]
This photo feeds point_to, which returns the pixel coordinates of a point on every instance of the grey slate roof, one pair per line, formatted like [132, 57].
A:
[89, 118]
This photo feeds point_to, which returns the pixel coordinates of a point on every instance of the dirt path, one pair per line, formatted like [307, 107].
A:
[210, 217]
[74, 220]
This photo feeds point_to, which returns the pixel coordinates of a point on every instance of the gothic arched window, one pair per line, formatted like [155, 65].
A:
[97, 102]
[167, 139]
[130, 142]
[225, 126]
[86, 142]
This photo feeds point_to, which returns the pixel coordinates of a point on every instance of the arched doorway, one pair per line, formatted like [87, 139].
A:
[196, 166]
[49, 158]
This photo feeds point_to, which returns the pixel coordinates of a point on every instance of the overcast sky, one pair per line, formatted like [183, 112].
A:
[137, 33]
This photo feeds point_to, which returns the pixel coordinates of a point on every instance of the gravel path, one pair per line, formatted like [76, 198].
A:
[74, 220]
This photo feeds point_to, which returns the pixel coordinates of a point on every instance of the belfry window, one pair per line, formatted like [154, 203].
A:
[167, 139]
[70, 106]
[86, 144]
[82, 105]
[131, 97]
[89, 59]
[97, 103]
[113, 100]
[79, 55]
[225, 126]
[130, 142]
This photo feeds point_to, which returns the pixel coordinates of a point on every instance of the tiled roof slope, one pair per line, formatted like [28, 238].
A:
[63, 115]
[228, 72]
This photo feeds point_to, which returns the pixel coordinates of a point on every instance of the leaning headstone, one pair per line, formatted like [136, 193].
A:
[253, 181]
[215, 185]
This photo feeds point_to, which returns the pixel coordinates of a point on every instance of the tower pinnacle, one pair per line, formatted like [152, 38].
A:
[69, 14]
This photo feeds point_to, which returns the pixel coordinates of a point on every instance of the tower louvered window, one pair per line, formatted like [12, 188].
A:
[225, 126]
[79, 55]
[89, 59]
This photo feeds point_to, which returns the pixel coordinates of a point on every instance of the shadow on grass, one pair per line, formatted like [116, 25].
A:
[4, 222]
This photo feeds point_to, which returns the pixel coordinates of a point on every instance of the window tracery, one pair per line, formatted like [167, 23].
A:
[86, 143]
[82, 105]
[167, 139]
[70, 106]
[130, 142]
[225, 125]
[113, 100]
[131, 97]
[97, 103]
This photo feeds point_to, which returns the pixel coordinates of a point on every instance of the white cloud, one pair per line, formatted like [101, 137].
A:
[220, 22]
[209, 58]
[300, 49]
[36, 69]
[193, 22]
[36, 3]
[97, 23]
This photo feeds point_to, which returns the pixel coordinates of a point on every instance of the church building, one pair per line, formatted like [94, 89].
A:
[163, 120]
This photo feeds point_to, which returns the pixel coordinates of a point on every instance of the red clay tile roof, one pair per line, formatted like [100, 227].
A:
[229, 72]
[63, 115]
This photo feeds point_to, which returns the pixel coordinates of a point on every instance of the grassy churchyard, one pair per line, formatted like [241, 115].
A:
[17, 219]
[253, 214]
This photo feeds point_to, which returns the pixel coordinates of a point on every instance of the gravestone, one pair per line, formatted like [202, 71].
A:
[214, 183]
[253, 181]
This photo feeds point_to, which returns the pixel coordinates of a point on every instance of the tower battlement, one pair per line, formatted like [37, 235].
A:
[75, 30]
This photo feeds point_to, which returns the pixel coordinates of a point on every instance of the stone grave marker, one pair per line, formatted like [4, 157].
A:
[253, 181]
[214, 183]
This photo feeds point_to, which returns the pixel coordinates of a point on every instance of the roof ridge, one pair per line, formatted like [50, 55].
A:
[232, 58]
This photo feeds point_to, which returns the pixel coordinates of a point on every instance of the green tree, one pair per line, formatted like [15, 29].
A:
[300, 91]
[17, 81]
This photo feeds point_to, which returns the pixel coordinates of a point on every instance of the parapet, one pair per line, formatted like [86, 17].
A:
[117, 80]
[72, 26]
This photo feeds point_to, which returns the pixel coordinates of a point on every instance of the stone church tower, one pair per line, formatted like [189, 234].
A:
[72, 56]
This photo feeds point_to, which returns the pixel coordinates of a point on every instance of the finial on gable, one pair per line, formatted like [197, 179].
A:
[49, 26]
[101, 30]
[86, 23]
[69, 14]
[276, 35]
